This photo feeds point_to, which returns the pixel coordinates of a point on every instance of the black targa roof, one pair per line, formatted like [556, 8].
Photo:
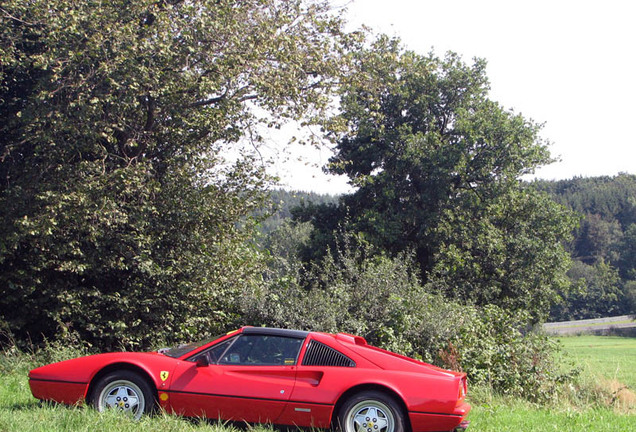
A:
[298, 334]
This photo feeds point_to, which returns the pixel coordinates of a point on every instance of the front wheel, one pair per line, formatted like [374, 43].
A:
[371, 411]
[125, 391]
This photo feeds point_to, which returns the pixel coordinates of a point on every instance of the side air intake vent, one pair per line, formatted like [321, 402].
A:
[319, 354]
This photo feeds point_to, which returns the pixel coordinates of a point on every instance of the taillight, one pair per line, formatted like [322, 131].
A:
[463, 389]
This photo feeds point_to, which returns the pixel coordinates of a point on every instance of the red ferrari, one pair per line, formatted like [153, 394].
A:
[264, 375]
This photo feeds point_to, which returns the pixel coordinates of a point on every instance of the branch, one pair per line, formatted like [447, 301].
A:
[150, 113]
[210, 101]
[214, 100]
[8, 15]
[247, 97]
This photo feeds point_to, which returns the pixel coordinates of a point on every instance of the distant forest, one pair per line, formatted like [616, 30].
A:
[603, 247]
[282, 202]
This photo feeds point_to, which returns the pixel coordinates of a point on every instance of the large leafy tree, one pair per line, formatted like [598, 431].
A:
[438, 166]
[120, 218]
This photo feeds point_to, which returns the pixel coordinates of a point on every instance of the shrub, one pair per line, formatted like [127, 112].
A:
[381, 299]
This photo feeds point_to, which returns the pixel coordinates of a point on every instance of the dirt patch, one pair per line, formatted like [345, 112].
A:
[617, 394]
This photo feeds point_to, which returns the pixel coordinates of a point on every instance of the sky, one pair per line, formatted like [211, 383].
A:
[570, 65]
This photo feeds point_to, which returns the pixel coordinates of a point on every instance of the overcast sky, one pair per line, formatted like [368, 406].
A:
[568, 64]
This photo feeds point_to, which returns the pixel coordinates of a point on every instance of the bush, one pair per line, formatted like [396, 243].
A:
[381, 299]
[494, 350]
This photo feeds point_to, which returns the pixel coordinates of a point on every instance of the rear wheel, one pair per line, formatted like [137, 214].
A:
[125, 391]
[371, 411]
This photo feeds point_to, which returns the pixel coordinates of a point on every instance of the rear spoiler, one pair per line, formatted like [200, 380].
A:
[346, 337]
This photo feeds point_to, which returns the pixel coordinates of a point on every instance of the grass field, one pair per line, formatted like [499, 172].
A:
[600, 358]
[523, 417]
[610, 357]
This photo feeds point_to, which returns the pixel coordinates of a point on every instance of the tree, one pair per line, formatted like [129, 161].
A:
[438, 167]
[507, 252]
[598, 293]
[597, 238]
[121, 220]
[627, 248]
[630, 297]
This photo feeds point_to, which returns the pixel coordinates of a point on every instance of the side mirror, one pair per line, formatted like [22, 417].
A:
[203, 361]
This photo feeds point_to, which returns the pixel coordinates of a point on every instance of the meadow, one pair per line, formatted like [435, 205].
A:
[595, 405]
[609, 357]
[603, 400]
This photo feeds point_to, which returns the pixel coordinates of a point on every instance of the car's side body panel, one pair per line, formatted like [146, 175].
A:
[238, 393]
[429, 394]
[68, 381]
[58, 390]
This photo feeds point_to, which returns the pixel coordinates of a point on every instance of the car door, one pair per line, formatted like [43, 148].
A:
[322, 375]
[247, 378]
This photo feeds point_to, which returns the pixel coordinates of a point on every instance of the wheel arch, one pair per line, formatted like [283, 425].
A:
[369, 387]
[113, 367]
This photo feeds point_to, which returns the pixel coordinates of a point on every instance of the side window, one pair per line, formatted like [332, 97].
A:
[262, 350]
[214, 354]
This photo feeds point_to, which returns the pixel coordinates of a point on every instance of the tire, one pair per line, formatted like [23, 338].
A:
[371, 411]
[126, 391]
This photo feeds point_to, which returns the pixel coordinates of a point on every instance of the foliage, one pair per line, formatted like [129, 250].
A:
[506, 252]
[281, 204]
[603, 246]
[629, 292]
[496, 349]
[121, 220]
[282, 246]
[359, 291]
[438, 166]
[597, 293]
[608, 197]
[627, 247]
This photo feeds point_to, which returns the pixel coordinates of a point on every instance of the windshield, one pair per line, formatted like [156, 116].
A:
[183, 349]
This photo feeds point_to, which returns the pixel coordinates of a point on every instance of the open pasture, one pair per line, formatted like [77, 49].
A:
[610, 357]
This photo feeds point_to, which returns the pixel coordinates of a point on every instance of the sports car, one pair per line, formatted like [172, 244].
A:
[265, 375]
